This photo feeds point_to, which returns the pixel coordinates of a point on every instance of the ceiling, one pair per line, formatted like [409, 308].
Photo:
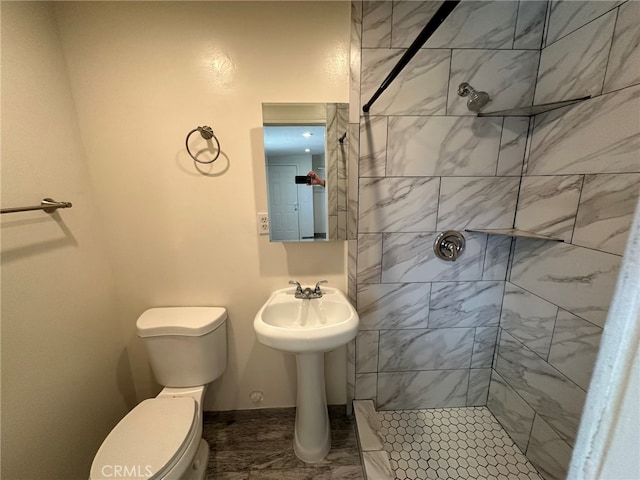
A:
[281, 140]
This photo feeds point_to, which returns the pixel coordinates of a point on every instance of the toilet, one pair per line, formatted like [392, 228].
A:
[161, 437]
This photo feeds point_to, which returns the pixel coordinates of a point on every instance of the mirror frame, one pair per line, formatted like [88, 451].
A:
[335, 117]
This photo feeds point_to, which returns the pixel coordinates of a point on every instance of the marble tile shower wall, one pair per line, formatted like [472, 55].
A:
[423, 164]
[420, 163]
[581, 183]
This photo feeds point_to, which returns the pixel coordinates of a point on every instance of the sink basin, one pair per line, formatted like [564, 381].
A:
[308, 328]
[296, 325]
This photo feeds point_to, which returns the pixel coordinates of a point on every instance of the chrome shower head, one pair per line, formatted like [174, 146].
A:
[477, 100]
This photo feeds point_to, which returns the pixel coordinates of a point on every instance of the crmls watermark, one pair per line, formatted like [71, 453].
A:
[126, 471]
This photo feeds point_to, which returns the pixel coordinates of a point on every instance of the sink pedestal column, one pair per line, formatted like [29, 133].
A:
[312, 440]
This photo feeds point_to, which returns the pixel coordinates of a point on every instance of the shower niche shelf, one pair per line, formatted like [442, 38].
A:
[534, 109]
[513, 232]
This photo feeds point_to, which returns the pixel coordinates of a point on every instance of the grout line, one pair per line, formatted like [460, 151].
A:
[535, 88]
[567, 243]
[582, 26]
[438, 206]
[466, 396]
[433, 328]
[428, 281]
[391, 29]
[515, 26]
[553, 332]
[446, 105]
[514, 442]
[545, 27]
[386, 146]
[473, 344]
[484, 259]
[610, 92]
[528, 142]
[575, 217]
[514, 392]
[375, 401]
[500, 147]
[548, 301]
[613, 36]
[381, 254]
[593, 97]
[501, 176]
[378, 351]
[429, 304]
[496, 353]
[461, 369]
[515, 212]
[434, 49]
[495, 345]
[593, 248]
[530, 432]
[551, 366]
[535, 414]
[512, 251]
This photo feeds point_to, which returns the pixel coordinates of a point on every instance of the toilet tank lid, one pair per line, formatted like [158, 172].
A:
[187, 321]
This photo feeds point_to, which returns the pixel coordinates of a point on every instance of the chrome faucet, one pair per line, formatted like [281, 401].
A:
[299, 291]
[308, 293]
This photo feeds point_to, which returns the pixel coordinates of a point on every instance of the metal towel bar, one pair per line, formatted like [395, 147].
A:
[47, 204]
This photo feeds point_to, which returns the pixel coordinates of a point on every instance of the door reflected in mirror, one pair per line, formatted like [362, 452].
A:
[299, 183]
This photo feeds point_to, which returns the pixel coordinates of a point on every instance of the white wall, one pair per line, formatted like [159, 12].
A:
[65, 374]
[143, 75]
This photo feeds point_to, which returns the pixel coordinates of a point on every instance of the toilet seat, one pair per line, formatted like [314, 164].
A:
[149, 441]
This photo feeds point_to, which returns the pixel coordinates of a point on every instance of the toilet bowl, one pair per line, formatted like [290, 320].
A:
[161, 437]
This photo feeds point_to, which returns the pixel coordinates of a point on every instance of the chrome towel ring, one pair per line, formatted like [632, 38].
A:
[206, 133]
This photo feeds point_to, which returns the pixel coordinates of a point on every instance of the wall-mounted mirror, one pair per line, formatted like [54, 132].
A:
[305, 148]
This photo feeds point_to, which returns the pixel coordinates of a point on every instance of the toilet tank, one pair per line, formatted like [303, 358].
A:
[187, 345]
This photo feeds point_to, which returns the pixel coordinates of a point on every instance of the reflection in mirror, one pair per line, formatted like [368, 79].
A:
[302, 158]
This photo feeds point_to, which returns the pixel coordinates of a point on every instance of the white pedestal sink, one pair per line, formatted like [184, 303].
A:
[308, 328]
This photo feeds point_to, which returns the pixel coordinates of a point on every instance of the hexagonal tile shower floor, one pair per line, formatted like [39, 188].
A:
[443, 443]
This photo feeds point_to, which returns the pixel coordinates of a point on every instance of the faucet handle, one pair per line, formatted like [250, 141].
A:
[298, 286]
[317, 289]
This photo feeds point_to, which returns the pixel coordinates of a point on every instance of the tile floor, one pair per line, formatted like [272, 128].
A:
[439, 443]
[258, 445]
[451, 443]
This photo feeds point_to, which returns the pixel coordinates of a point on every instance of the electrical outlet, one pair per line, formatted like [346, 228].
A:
[263, 223]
